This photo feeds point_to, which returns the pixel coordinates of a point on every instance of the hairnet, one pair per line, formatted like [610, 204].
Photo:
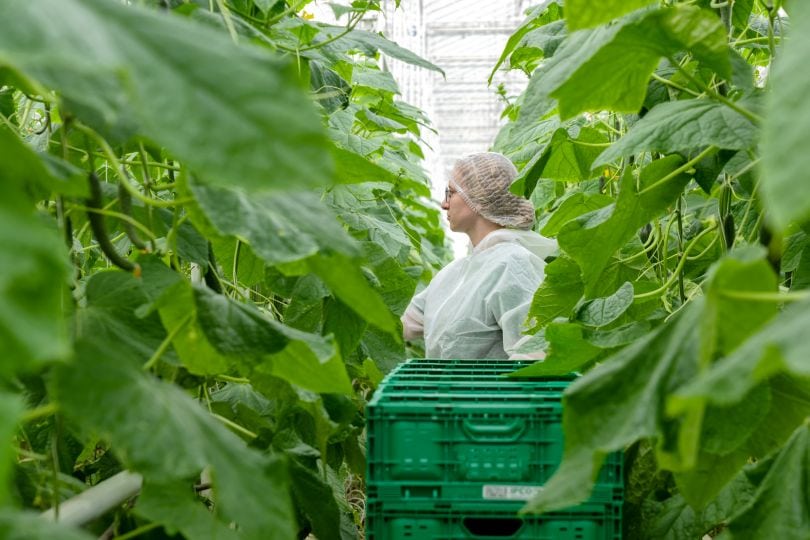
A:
[483, 181]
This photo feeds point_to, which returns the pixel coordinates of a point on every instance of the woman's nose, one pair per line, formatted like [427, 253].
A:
[445, 205]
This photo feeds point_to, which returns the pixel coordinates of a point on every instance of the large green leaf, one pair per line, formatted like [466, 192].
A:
[532, 21]
[592, 238]
[159, 431]
[573, 207]
[674, 519]
[577, 50]
[585, 14]
[776, 347]
[537, 44]
[371, 42]
[21, 163]
[396, 286]
[352, 168]
[785, 130]
[616, 75]
[706, 479]
[117, 64]
[180, 317]
[568, 351]
[380, 227]
[374, 79]
[385, 351]
[112, 318]
[733, 320]
[558, 294]
[177, 507]
[32, 284]
[682, 126]
[711, 438]
[10, 411]
[279, 227]
[603, 311]
[319, 370]
[242, 331]
[781, 506]
[741, 13]
[567, 158]
[617, 403]
[351, 287]
[316, 501]
[235, 328]
[789, 407]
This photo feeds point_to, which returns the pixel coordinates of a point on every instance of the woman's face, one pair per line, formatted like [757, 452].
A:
[459, 215]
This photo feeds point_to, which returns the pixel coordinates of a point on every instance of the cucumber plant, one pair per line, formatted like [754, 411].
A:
[213, 215]
[662, 143]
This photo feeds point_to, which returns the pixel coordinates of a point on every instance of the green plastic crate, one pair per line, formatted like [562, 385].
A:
[594, 520]
[450, 433]
[495, 366]
[463, 384]
[442, 444]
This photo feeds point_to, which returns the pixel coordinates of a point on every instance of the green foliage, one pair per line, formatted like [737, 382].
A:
[609, 67]
[582, 14]
[680, 289]
[593, 238]
[120, 75]
[784, 132]
[779, 508]
[682, 126]
[260, 187]
[10, 407]
[125, 404]
[30, 526]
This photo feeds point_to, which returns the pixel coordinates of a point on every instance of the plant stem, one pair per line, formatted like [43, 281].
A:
[118, 215]
[40, 412]
[754, 118]
[159, 165]
[759, 39]
[226, 17]
[235, 427]
[678, 211]
[352, 23]
[236, 261]
[228, 378]
[757, 296]
[292, 9]
[137, 532]
[166, 342]
[706, 250]
[682, 169]
[675, 85]
[55, 466]
[122, 173]
[594, 145]
[27, 454]
[663, 288]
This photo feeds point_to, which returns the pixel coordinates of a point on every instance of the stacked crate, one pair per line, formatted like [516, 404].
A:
[455, 449]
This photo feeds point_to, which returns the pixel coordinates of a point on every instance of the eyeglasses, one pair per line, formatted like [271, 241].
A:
[448, 193]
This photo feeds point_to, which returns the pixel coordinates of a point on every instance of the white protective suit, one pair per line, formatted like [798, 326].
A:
[475, 307]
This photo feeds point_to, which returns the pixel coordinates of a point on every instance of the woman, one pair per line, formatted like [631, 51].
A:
[475, 307]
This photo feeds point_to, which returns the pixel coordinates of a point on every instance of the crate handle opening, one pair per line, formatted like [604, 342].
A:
[492, 527]
[510, 431]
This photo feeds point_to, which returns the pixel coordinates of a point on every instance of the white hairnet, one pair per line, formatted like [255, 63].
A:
[483, 181]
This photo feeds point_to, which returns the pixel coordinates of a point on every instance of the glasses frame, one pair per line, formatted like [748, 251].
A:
[448, 193]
